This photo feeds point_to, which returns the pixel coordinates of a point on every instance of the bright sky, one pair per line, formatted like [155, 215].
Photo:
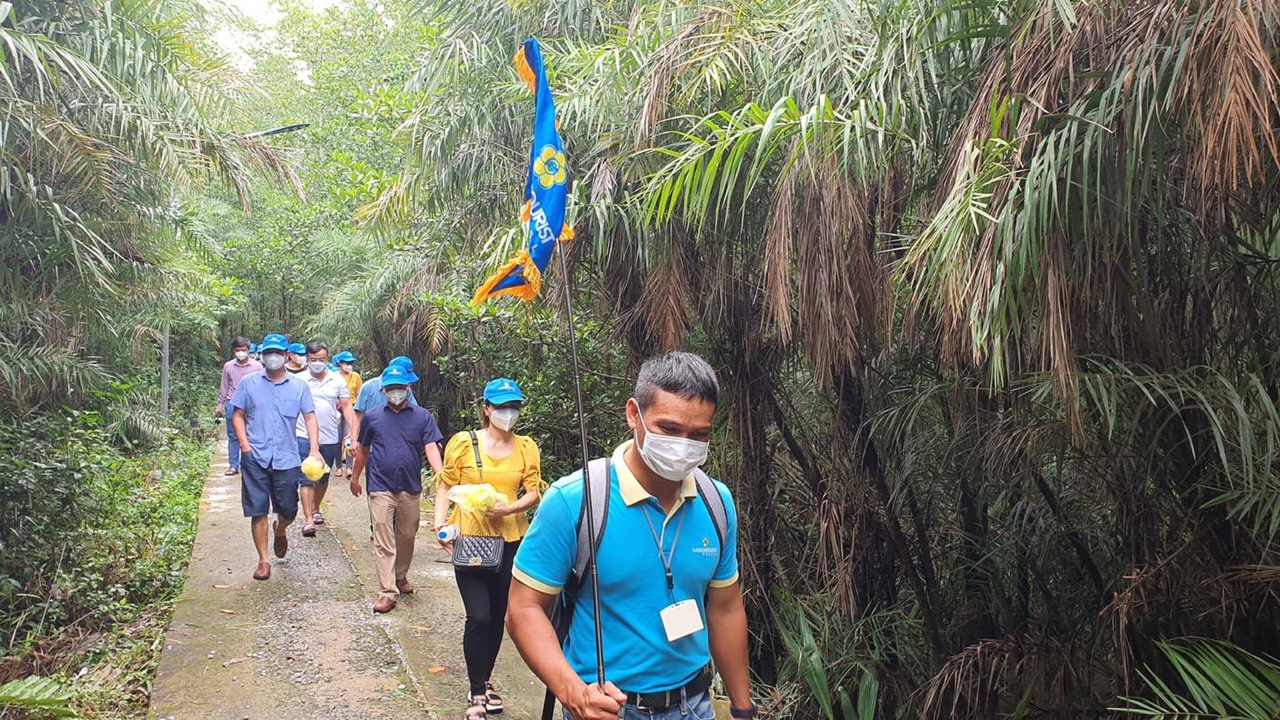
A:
[265, 13]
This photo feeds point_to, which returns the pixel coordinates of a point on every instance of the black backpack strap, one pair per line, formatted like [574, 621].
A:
[714, 502]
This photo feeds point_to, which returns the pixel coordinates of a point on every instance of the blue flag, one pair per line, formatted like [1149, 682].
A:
[546, 190]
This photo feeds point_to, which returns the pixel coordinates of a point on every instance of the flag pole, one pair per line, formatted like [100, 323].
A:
[586, 461]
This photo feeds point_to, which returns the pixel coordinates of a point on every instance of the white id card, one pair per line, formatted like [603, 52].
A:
[681, 619]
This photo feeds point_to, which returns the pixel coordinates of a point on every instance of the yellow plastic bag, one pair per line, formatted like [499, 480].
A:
[475, 498]
[314, 469]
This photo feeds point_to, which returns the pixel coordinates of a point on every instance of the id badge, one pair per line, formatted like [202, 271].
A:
[681, 619]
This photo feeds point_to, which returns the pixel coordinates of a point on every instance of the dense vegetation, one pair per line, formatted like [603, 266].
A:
[110, 121]
[990, 286]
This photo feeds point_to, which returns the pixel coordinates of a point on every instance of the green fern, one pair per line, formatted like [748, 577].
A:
[1219, 680]
[37, 693]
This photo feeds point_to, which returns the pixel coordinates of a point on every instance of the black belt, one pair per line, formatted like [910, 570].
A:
[667, 698]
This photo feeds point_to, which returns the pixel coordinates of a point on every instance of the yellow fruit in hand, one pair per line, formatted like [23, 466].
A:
[313, 469]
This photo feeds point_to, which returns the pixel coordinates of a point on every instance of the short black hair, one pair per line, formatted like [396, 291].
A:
[315, 347]
[240, 342]
[679, 373]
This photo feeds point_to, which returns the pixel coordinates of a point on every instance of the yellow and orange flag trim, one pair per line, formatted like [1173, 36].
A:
[546, 191]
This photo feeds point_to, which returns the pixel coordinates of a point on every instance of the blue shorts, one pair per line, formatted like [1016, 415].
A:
[264, 490]
[328, 452]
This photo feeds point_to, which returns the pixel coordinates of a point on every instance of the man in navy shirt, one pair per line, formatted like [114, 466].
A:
[392, 441]
[266, 409]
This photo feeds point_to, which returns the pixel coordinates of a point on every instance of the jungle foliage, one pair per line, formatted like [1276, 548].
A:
[990, 287]
[112, 122]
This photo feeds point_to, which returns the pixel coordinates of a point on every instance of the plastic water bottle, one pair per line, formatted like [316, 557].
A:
[447, 533]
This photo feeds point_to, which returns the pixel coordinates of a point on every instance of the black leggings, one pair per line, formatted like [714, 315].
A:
[484, 594]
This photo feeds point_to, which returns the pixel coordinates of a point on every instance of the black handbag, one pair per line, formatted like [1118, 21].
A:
[478, 552]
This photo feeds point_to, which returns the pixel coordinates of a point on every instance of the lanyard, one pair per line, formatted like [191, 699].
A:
[657, 539]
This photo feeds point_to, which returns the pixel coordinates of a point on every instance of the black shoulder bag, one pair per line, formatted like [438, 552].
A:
[478, 552]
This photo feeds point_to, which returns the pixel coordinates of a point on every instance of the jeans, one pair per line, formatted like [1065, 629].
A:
[233, 447]
[697, 707]
[263, 490]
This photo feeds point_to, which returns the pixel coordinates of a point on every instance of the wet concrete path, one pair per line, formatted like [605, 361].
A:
[306, 644]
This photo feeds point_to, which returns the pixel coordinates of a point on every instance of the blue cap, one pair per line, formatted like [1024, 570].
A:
[333, 367]
[502, 390]
[344, 356]
[253, 347]
[274, 341]
[397, 375]
[298, 349]
[402, 362]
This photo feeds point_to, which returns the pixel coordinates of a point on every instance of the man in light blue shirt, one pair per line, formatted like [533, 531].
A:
[670, 599]
[371, 397]
[266, 409]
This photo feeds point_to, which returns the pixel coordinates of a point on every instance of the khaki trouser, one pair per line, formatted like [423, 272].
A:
[395, 529]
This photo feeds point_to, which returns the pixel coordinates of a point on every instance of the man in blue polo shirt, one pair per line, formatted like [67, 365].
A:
[267, 405]
[669, 595]
[392, 441]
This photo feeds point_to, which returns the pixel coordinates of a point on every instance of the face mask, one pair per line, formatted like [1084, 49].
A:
[317, 368]
[346, 367]
[273, 361]
[397, 396]
[242, 355]
[671, 458]
[504, 418]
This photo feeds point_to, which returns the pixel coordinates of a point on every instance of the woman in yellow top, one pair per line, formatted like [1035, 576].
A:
[346, 368]
[511, 464]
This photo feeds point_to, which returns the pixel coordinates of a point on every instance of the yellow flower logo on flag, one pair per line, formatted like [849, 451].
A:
[550, 167]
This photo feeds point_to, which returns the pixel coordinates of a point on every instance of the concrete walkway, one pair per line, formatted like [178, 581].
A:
[306, 644]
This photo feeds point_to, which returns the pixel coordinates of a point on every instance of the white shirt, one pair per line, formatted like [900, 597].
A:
[326, 391]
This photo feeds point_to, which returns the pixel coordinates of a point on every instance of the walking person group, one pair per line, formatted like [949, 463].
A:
[670, 601]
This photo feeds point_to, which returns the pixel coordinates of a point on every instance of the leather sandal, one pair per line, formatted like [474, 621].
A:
[492, 700]
[281, 544]
[476, 712]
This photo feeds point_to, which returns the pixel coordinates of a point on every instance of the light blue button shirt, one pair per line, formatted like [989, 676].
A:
[371, 397]
[271, 411]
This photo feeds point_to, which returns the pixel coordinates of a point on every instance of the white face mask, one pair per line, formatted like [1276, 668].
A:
[273, 361]
[346, 367]
[317, 368]
[671, 458]
[504, 418]
[397, 396]
[242, 355]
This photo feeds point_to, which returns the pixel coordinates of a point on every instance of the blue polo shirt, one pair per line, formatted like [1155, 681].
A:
[271, 411]
[371, 397]
[396, 442]
[633, 586]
